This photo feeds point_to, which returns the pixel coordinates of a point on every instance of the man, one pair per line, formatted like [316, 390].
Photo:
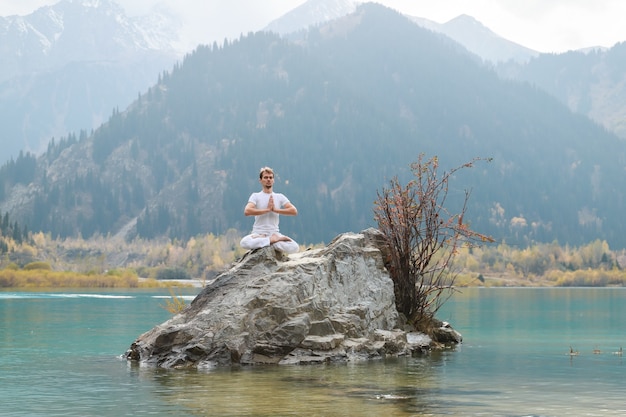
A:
[266, 206]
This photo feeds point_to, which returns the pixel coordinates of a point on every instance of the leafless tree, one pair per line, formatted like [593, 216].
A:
[423, 238]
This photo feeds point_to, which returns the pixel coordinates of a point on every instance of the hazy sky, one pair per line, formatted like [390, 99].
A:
[543, 25]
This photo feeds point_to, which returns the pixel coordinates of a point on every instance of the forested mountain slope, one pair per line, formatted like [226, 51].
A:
[336, 114]
[592, 83]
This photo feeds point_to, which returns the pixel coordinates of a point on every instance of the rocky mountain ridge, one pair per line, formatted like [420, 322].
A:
[464, 29]
[65, 67]
[74, 30]
[482, 41]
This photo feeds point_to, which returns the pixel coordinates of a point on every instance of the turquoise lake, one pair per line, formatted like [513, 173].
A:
[60, 355]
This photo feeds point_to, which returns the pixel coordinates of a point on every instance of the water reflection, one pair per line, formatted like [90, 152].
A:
[398, 387]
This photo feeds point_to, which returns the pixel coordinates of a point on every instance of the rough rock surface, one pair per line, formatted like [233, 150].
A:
[325, 305]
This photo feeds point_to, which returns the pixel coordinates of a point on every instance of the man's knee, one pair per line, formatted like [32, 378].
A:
[245, 242]
[287, 246]
[250, 242]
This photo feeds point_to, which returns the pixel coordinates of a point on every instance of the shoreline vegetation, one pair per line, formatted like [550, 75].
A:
[542, 265]
[43, 279]
[109, 262]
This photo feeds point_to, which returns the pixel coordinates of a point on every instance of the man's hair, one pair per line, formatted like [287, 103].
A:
[265, 169]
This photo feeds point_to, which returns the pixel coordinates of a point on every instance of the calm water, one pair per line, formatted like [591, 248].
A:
[60, 356]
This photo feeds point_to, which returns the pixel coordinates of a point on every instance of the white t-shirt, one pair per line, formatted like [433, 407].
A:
[267, 223]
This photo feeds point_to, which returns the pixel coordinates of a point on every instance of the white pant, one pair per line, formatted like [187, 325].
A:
[255, 241]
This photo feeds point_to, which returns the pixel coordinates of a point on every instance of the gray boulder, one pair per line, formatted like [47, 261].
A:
[332, 304]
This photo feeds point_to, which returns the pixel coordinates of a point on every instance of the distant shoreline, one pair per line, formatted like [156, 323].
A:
[195, 283]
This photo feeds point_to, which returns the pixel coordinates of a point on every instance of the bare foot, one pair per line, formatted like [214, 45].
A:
[277, 238]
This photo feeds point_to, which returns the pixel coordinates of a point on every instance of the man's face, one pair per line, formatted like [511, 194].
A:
[267, 180]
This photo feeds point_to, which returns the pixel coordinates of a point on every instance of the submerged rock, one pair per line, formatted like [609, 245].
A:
[325, 305]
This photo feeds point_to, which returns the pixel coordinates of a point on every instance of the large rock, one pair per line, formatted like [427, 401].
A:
[329, 304]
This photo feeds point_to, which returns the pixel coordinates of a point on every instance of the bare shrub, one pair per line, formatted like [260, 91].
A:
[424, 238]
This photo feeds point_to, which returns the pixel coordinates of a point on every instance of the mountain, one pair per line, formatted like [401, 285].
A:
[337, 114]
[592, 82]
[465, 30]
[481, 41]
[311, 13]
[66, 67]
[588, 81]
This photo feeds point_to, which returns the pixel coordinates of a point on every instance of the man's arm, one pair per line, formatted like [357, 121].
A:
[251, 210]
[287, 210]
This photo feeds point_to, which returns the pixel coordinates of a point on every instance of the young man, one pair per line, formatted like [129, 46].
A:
[266, 206]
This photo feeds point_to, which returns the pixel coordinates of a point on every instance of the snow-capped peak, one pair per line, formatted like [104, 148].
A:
[81, 30]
